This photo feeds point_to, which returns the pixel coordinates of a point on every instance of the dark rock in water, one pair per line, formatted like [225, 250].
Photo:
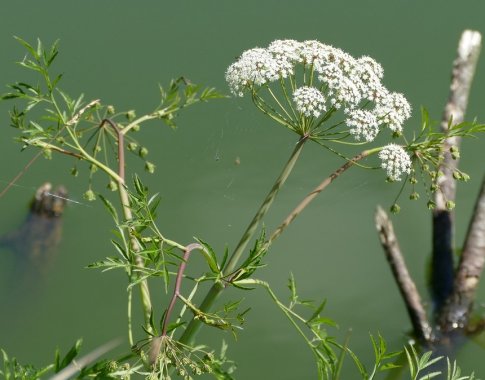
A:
[47, 203]
[34, 243]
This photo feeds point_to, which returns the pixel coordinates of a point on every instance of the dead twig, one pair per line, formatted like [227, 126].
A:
[407, 287]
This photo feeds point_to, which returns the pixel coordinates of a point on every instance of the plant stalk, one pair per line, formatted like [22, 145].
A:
[313, 194]
[125, 204]
[215, 291]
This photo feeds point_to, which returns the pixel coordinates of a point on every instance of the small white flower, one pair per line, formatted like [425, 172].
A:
[287, 54]
[371, 66]
[348, 94]
[309, 101]
[393, 110]
[254, 67]
[363, 125]
[311, 52]
[367, 75]
[395, 160]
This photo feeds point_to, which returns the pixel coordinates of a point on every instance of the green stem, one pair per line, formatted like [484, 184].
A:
[290, 314]
[145, 292]
[140, 120]
[215, 291]
[130, 328]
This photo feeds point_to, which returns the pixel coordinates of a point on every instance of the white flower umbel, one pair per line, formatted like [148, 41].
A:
[393, 109]
[287, 54]
[338, 81]
[309, 101]
[255, 67]
[363, 125]
[395, 161]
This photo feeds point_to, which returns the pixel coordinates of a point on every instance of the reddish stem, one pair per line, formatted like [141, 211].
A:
[178, 283]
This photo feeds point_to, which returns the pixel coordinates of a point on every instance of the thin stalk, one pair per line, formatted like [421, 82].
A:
[178, 284]
[271, 112]
[288, 101]
[184, 307]
[275, 98]
[125, 203]
[313, 194]
[130, 328]
[140, 120]
[290, 314]
[215, 291]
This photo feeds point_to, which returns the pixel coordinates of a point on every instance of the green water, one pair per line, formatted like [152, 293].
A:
[119, 51]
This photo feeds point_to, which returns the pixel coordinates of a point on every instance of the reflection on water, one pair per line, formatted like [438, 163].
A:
[33, 245]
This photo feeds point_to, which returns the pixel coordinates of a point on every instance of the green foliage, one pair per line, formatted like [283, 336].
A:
[97, 135]
[426, 149]
[418, 364]
[13, 370]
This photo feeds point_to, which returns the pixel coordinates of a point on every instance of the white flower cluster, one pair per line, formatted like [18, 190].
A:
[363, 124]
[309, 101]
[393, 110]
[255, 67]
[395, 161]
[342, 80]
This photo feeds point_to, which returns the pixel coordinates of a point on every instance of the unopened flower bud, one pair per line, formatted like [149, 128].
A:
[433, 187]
[112, 366]
[47, 152]
[395, 208]
[112, 185]
[132, 146]
[431, 205]
[414, 196]
[143, 152]
[110, 110]
[130, 115]
[455, 153]
[89, 195]
[450, 205]
[150, 167]
[413, 180]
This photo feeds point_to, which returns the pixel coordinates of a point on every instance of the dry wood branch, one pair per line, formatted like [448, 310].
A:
[406, 285]
[457, 310]
[462, 76]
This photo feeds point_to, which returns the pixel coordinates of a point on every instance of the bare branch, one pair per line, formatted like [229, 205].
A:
[462, 76]
[464, 68]
[406, 285]
[471, 265]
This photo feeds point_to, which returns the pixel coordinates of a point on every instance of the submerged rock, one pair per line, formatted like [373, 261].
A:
[34, 243]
